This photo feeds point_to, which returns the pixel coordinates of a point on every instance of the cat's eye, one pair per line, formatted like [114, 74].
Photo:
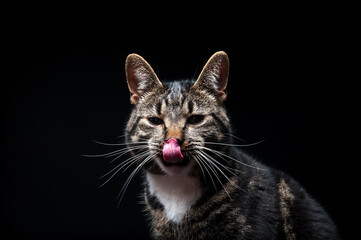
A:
[155, 120]
[195, 119]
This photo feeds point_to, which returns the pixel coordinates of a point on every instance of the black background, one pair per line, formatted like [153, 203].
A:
[66, 87]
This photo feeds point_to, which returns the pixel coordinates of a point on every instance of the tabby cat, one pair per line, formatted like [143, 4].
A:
[198, 185]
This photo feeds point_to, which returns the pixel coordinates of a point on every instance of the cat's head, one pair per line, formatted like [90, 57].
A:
[172, 123]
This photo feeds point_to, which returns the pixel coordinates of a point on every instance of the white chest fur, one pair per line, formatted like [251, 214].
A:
[175, 193]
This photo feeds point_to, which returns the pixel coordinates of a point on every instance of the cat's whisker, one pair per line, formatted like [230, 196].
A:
[234, 136]
[116, 152]
[137, 159]
[214, 162]
[234, 145]
[229, 169]
[206, 166]
[201, 162]
[103, 155]
[130, 149]
[125, 151]
[225, 155]
[126, 134]
[131, 176]
[200, 166]
[208, 163]
[232, 170]
[120, 144]
[123, 164]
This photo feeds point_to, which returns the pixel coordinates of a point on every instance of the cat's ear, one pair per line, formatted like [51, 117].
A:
[141, 78]
[214, 76]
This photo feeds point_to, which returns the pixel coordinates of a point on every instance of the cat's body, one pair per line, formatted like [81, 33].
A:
[198, 185]
[271, 205]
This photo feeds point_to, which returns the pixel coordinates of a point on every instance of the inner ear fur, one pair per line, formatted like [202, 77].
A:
[141, 77]
[214, 75]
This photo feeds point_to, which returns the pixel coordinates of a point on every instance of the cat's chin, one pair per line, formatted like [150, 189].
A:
[175, 169]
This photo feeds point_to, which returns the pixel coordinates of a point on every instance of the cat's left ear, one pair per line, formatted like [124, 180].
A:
[214, 76]
[141, 77]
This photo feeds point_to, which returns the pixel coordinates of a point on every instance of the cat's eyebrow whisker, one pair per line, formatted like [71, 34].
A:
[225, 155]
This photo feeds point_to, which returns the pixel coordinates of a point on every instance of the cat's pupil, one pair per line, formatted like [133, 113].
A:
[195, 119]
[155, 120]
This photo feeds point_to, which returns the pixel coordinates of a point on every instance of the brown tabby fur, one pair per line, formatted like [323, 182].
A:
[240, 198]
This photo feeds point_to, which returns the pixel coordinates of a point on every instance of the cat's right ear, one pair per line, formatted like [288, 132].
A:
[214, 76]
[140, 77]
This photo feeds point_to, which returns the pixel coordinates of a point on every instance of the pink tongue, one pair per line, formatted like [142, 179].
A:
[172, 152]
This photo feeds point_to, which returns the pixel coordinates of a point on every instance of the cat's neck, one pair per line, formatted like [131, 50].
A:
[176, 193]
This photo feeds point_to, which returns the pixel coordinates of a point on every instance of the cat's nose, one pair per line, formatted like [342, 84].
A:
[175, 133]
[180, 141]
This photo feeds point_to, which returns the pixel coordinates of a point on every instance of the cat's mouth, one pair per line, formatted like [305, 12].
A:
[172, 154]
[178, 168]
[173, 159]
[181, 163]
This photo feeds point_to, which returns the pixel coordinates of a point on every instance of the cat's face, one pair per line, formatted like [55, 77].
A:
[171, 123]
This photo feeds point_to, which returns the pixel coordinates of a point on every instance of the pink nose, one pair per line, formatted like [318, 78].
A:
[172, 152]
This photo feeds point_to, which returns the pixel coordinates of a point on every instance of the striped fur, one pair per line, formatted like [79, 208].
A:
[218, 192]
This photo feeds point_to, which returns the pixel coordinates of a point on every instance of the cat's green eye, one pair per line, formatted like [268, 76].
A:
[195, 119]
[155, 120]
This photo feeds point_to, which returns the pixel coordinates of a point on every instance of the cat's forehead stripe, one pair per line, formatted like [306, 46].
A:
[177, 92]
[175, 95]
[159, 108]
[190, 107]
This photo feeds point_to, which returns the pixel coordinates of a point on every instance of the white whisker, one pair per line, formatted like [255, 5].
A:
[127, 151]
[116, 152]
[214, 161]
[200, 161]
[234, 145]
[119, 144]
[229, 134]
[228, 168]
[225, 155]
[102, 155]
[126, 134]
[130, 161]
[200, 166]
[208, 162]
[129, 179]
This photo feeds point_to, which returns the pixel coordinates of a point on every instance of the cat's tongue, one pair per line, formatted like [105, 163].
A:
[172, 152]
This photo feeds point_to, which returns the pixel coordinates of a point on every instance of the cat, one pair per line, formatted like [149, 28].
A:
[197, 183]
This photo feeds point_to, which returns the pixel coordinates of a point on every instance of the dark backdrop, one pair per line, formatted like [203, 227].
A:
[66, 87]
